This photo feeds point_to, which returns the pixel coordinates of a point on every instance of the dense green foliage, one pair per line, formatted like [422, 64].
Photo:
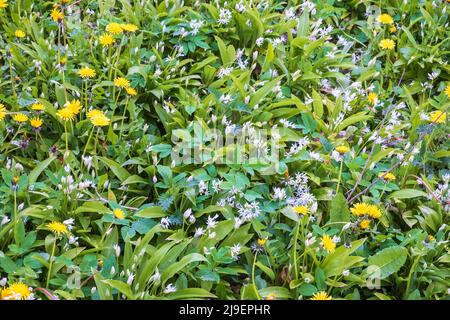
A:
[94, 94]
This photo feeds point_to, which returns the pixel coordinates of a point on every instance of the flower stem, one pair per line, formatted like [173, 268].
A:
[13, 87]
[87, 143]
[49, 273]
[339, 178]
[253, 276]
[123, 118]
[15, 205]
[295, 249]
[86, 96]
[95, 142]
[67, 136]
[114, 109]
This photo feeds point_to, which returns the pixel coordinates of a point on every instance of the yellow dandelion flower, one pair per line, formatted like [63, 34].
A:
[100, 120]
[372, 98]
[430, 238]
[392, 29]
[106, 40]
[301, 210]
[20, 117]
[66, 114]
[114, 28]
[271, 296]
[38, 106]
[86, 72]
[321, 295]
[57, 15]
[342, 149]
[19, 33]
[3, 4]
[374, 212]
[447, 91]
[16, 291]
[36, 122]
[4, 294]
[74, 106]
[364, 224]
[385, 19]
[94, 113]
[360, 209]
[129, 27]
[118, 213]
[57, 228]
[15, 180]
[2, 112]
[121, 82]
[328, 244]
[388, 176]
[262, 242]
[387, 44]
[131, 91]
[63, 61]
[438, 117]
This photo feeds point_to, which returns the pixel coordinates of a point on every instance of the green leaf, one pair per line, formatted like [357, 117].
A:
[358, 117]
[122, 287]
[118, 171]
[134, 179]
[150, 212]
[93, 206]
[307, 289]
[264, 91]
[190, 293]
[266, 270]
[180, 265]
[407, 194]
[34, 174]
[340, 260]
[387, 262]
[102, 288]
[279, 292]
[339, 210]
[317, 104]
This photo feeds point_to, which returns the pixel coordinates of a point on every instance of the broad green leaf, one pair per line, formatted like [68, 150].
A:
[34, 174]
[387, 262]
[339, 212]
[122, 287]
[407, 194]
[191, 293]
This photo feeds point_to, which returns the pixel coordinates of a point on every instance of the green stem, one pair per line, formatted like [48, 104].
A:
[86, 97]
[67, 136]
[295, 248]
[104, 234]
[49, 273]
[253, 276]
[15, 205]
[13, 86]
[95, 142]
[114, 109]
[123, 118]
[411, 272]
[340, 173]
[87, 143]
[12, 139]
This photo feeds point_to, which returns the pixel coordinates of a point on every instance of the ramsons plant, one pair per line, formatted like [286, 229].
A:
[224, 150]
